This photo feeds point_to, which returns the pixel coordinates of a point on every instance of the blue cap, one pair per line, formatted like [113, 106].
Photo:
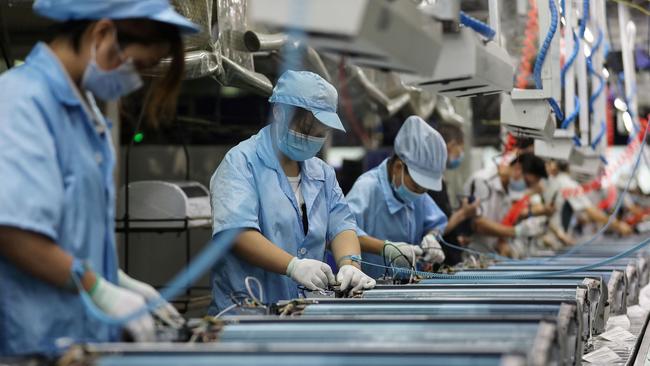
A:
[309, 91]
[158, 10]
[423, 151]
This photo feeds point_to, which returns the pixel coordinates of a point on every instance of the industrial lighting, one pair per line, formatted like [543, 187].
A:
[627, 122]
[605, 73]
[589, 37]
[620, 105]
[587, 51]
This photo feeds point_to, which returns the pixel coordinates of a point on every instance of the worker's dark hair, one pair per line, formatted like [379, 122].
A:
[562, 166]
[524, 143]
[531, 164]
[163, 95]
[300, 116]
[451, 132]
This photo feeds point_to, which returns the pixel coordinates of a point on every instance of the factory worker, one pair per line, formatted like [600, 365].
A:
[567, 205]
[286, 201]
[526, 171]
[456, 232]
[57, 158]
[397, 221]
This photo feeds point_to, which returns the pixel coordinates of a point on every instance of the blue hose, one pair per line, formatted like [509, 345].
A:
[571, 59]
[541, 57]
[477, 25]
[585, 18]
[601, 134]
[573, 115]
[590, 67]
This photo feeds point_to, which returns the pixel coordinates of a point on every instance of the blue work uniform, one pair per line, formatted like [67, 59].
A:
[249, 190]
[383, 216]
[56, 162]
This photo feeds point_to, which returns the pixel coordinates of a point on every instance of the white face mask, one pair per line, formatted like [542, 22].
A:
[110, 85]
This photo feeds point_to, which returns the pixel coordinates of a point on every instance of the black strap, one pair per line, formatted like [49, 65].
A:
[305, 222]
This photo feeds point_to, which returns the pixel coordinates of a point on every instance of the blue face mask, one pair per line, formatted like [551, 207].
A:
[403, 193]
[517, 185]
[112, 84]
[295, 145]
[455, 163]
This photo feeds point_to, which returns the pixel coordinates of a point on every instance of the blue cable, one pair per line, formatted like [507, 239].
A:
[573, 115]
[601, 134]
[590, 67]
[585, 18]
[213, 252]
[541, 57]
[571, 59]
[576, 141]
[477, 25]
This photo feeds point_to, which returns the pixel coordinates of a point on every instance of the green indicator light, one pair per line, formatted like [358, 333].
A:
[138, 137]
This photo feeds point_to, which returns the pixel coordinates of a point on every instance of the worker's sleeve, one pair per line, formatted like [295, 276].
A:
[340, 218]
[434, 218]
[578, 202]
[481, 192]
[31, 183]
[358, 202]
[233, 195]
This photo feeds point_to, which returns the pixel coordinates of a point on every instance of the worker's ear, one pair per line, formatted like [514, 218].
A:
[103, 37]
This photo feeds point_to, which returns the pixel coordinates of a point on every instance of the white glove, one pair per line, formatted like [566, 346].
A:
[531, 227]
[394, 254]
[119, 302]
[432, 250]
[313, 274]
[165, 311]
[351, 276]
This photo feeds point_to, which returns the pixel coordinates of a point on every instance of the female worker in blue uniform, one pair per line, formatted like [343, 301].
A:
[57, 158]
[287, 202]
[398, 222]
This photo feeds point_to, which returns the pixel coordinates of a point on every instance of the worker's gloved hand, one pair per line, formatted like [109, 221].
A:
[351, 276]
[401, 255]
[120, 302]
[313, 274]
[531, 227]
[164, 311]
[432, 250]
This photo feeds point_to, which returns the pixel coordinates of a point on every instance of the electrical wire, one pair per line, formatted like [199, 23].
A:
[224, 311]
[573, 115]
[569, 62]
[590, 68]
[260, 289]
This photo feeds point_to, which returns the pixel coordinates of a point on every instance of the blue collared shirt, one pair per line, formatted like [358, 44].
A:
[57, 181]
[381, 215]
[249, 190]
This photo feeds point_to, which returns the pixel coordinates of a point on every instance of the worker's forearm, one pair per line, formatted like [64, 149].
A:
[371, 245]
[257, 250]
[345, 244]
[488, 227]
[40, 257]
[596, 215]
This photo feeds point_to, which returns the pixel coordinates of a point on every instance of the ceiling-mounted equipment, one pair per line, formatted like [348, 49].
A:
[468, 67]
[525, 114]
[370, 33]
[561, 147]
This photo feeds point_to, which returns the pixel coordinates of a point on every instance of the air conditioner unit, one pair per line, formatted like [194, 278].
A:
[384, 34]
[525, 114]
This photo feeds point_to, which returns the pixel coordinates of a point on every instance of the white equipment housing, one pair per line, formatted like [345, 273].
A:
[384, 34]
[590, 166]
[468, 67]
[560, 147]
[526, 115]
[157, 202]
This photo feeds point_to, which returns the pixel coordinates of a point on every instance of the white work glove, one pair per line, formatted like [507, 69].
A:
[394, 254]
[351, 276]
[313, 274]
[432, 250]
[164, 311]
[119, 302]
[531, 227]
